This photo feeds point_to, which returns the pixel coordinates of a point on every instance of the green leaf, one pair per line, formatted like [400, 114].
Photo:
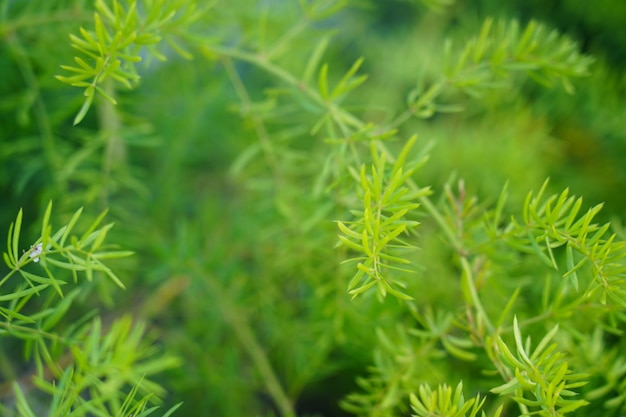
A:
[347, 82]
[355, 292]
[89, 94]
[506, 353]
[390, 236]
[99, 236]
[172, 410]
[23, 293]
[571, 268]
[93, 44]
[347, 231]
[88, 236]
[322, 81]
[22, 404]
[101, 32]
[45, 230]
[539, 251]
[351, 244]
[11, 313]
[457, 352]
[178, 49]
[70, 226]
[106, 95]
[315, 59]
[398, 294]
[543, 344]
[16, 228]
[507, 309]
[109, 273]
[112, 254]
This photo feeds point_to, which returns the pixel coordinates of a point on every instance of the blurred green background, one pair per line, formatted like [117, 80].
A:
[217, 251]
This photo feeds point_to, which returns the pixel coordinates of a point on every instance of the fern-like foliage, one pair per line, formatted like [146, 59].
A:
[376, 232]
[399, 369]
[502, 48]
[66, 402]
[119, 358]
[498, 52]
[85, 360]
[553, 222]
[540, 381]
[606, 366]
[112, 49]
[85, 254]
[442, 402]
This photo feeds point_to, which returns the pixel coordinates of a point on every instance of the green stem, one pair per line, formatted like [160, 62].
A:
[338, 114]
[251, 345]
[257, 122]
[115, 148]
[468, 281]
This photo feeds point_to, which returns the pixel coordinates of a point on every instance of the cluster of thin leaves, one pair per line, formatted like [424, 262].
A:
[541, 381]
[542, 375]
[499, 51]
[118, 359]
[443, 403]
[553, 222]
[439, 327]
[66, 402]
[376, 233]
[91, 367]
[606, 366]
[399, 369]
[380, 229]
[63, 250]
[114, 47]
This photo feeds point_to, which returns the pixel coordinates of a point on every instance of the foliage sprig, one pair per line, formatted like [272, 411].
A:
[442, 402]
[376, 232]
[550, 223]
[87, 356]
[490, 59]
[115, 45]
[543, 375]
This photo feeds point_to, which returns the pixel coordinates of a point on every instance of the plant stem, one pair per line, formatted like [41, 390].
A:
[468, 282]
[257, 122]
[250, 344]
[115, 148]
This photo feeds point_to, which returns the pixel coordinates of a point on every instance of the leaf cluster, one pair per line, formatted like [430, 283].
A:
[376, 232]
[442, 402]
[499, 52]
[104, 367]
[93, 364]
[61, 250]
[114, 47]
[554, 223]
[399, 368]
[543, 375]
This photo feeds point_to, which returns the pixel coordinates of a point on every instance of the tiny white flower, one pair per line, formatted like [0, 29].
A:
[35, 252]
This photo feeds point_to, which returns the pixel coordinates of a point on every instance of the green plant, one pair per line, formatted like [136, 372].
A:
[263, 180]
[78, 356]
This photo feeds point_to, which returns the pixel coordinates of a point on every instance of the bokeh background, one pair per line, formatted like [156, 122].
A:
[217, 248]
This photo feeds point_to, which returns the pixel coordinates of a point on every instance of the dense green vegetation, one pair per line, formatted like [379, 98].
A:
[312, 208]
